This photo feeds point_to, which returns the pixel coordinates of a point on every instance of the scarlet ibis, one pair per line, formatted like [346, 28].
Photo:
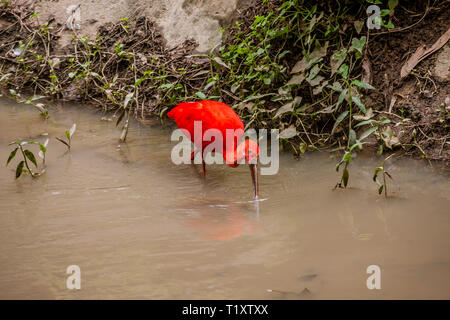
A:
[219, 116]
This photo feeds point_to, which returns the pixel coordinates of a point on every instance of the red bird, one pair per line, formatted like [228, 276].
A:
[219, 116]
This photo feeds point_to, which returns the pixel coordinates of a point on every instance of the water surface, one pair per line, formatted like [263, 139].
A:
[141, 227]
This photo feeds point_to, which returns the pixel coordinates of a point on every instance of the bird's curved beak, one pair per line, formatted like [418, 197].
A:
[254, 172]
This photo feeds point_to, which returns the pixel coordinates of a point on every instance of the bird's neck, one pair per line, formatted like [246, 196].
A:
[230, 157]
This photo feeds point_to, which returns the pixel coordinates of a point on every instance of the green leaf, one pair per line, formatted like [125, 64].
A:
[345, 176]
[358, 44]
[95, 74]
[392, 4]
[19, 169]
[362, 123]
[362, 84]
[5, 76]
[200, 95]
[337, 59]
[12, 155]
[259, 51]
[341, 97]
[120, 117]
[67, 134]
[338, 165]
[303, 147]
[352, 137]
[209, 85]
[285, 52]
[380, 189]
[380, 149]
[358, 102]
[167, 85]
[30, 156]
[61, 140]
[379, 169]
[316, 81]
[367, 133]
[339, 120]
[336, 86]
[36, 97]
[343, 70]
[384, 12]
[347, 157]
[388, 174]
[390, 25]
[358, 144]
[313, 73]
[235, 86]
[138, 81]
[43, 148]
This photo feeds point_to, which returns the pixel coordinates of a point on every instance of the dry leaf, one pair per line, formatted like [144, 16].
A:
[246, 105]
[289, 107]
[390, 140]
[300, 66]
[367, 71]
[314, 57]
[319, 89]
[288, 133]
[421, 53]
[296, 79]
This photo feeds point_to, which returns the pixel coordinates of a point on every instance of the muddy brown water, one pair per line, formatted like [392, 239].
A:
[139, 226]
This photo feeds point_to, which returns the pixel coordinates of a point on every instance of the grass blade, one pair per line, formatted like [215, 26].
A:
[30, 156]
[12, 155]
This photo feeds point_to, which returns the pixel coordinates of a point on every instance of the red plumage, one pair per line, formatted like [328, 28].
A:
[219, 116]
[212, 114]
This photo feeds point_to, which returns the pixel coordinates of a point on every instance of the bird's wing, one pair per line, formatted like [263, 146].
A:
[212, 114]
[185, 114]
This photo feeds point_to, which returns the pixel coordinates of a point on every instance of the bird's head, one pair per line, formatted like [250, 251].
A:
[248, 150]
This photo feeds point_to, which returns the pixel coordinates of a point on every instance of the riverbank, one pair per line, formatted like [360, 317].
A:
[313, 71]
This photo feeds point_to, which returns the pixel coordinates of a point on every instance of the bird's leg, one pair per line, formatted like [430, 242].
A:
[193, 153]
[254, 173]
[203, 163]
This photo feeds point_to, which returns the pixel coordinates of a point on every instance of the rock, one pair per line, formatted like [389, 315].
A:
[179, 19]
[442, 66]
[74, 20]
